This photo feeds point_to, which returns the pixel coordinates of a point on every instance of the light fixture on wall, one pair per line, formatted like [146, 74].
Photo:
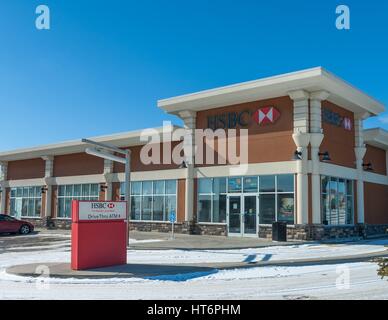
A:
[367, 166]
[297, 155]
[325, 156]
[43, 190]
[103, 187]
[183, 165]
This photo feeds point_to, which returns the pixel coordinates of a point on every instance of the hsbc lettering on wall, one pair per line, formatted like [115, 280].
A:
[98, 210]
[244, 119]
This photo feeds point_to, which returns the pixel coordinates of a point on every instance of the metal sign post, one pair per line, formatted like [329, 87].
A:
[98, 151]
[172, 220]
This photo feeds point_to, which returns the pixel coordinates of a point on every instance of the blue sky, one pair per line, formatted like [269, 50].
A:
[103, 64]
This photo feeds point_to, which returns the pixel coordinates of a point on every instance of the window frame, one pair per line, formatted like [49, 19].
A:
[80, 197]
[258, 193]
[14, 194]
[153, 195]
[347, 196]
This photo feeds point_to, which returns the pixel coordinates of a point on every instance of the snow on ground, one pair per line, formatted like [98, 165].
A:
[312, 282]
[307, 282]
[277, 253]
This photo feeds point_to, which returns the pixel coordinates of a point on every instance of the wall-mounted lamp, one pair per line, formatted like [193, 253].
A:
[43, 189]
[103, 187]
[183, 165]
[367, 166]
[297, 155]
[325, 156]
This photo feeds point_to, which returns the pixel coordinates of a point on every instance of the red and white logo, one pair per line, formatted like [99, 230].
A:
[266, 115]
[111, 205]
[347, 123]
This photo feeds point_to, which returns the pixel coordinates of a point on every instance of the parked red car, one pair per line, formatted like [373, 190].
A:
[11, 225]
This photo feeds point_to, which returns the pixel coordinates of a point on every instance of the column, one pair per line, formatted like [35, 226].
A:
[316, 138]
[359, 151]
[301, 138]
[189, 119]
[108, 172]
[48, 174]
[3, 179]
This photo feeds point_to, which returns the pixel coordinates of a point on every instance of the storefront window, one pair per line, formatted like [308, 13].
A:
[26, 202]
[286, 208]
[285, 183]
[337, 201]
[211, 203]
[219, 185]
[205, 185]
[170, 201]
[219, 208]
[204, 208]
[146, 212]
[267, 183]
[152, 200]
[68, 193]
[276, 197]
[135, 207]
[234, 185]
[135, 188]
[267, 213]
[250, 184]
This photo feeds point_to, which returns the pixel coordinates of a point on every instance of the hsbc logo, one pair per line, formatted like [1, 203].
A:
[336, 119]
[102, 205]
[347, 123]
[267, 115]
[243, 119]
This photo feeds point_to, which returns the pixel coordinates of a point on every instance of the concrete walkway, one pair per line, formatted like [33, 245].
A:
[162, 241]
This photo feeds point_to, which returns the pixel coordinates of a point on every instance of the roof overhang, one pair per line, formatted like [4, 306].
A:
[121, 140]
[311, 80]
[376, 137]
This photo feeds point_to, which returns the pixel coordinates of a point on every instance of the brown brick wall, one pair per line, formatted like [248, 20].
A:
[376, 203]
[267, 143]
[338, 141]
[26, 169]
[377, 157]
[77, 164]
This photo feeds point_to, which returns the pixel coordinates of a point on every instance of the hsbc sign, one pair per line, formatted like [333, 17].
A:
[336, 119]
[100, 210]
[267, 115]
[244, 119]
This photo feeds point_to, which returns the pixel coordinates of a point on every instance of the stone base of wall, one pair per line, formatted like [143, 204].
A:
[297, 232]
[61, 224]
[293, 232]
[315, 232]
[211, 229]
[323, 232]
[50, 223]
[378, 230]
[181, 227]
[37, 223]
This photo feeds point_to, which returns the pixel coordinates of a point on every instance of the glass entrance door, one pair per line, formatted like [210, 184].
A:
[250, 215]
[234, 215]
[242, 215]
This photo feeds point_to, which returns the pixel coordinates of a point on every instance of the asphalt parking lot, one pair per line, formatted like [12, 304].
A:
[38, 239]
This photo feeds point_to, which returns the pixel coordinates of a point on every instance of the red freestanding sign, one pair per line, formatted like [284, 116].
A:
[98, 234]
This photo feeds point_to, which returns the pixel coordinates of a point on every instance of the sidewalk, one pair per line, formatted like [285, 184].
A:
[163, 241]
